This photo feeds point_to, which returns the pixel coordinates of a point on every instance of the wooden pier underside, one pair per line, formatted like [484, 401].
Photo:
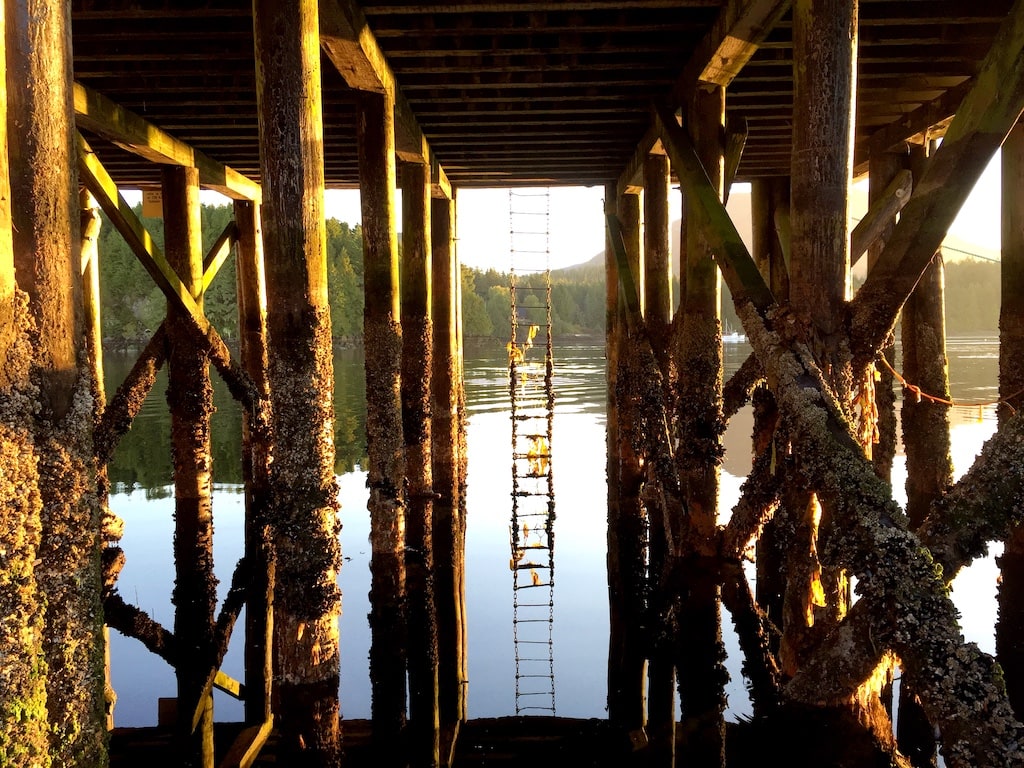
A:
[799, 99]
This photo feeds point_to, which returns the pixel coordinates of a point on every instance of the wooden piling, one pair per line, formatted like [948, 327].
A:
[882, 168]
[926, 444]
[110, 525]
[770, 236]
[417, 367]
[824, 43]
[304, 492]
[190, 399]
[24, 725]
[657, 259]
[45, 218]
[699, 650]
[657, 288]
[1010, 621]
[925, 420]
[251, 291]
[448, 469]
[770, 244]
[626, 524]
[382, 335]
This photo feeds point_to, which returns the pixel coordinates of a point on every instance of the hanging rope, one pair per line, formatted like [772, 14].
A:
[920, 394]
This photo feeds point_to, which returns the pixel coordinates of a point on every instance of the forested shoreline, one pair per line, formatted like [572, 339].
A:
[133, 306]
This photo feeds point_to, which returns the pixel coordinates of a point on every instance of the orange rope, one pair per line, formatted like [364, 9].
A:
[919, 393]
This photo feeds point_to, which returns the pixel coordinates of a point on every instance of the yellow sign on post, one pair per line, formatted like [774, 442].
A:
[152, 204]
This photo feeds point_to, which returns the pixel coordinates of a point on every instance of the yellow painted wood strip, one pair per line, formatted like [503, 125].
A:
[228, 685]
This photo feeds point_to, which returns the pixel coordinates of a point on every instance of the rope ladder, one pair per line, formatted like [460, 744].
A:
[531, 532]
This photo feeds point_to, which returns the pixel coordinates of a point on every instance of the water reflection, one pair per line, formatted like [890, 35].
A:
[141, 471]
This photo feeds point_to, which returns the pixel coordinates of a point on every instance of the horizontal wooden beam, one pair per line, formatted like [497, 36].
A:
[742, 25]
[98, 114]
[352, 49]
[925, 118]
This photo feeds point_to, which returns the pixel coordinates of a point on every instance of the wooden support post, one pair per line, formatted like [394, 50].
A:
[304, 491]
[1010, 622]
[90, 220]
[698, 405]
[657, 258]
[382, 335]
[657, 288]
[824, 39]
[190, 399]
[626, 523]
[9, 327]
[448, 469]
[925, 421]
[926, 443]
[45, 219]
[884, 168]
[769, 207]
[417, 365]
[699, 345]
[24, 725]
[252, 322]
[769, 204]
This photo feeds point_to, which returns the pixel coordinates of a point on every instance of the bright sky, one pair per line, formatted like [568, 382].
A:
[576, 221]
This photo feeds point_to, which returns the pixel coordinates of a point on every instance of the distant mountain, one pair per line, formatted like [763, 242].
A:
[954, 248]
[593, 269]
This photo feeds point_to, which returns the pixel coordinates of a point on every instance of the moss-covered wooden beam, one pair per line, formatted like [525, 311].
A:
[736, 132]
[759, 498]
[133, 622]
[987, 114]
[985, 505]
[98, 114]
[957, 684]
[121, 215]
[741, 385]
[738, 268]
[230, 609]
[880, 215]
[352, 49]
[130, 395]
[756, 636]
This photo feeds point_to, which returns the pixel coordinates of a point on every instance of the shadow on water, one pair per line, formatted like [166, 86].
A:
[142, 494]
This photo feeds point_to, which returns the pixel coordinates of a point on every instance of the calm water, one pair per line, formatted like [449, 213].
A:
[141, 471]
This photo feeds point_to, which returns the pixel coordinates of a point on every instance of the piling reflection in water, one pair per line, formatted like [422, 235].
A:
[143, 496]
